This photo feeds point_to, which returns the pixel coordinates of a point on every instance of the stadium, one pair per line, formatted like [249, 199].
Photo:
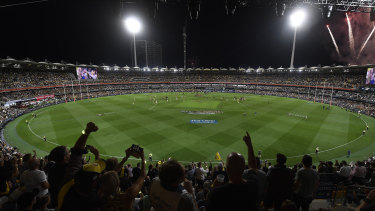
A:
[88, 132]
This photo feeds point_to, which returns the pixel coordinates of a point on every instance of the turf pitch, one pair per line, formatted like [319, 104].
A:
[163, 127]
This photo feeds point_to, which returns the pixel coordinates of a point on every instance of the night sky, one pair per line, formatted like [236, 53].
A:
[87, 31]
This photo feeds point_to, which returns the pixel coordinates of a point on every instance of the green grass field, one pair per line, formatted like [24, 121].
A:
[165, 130]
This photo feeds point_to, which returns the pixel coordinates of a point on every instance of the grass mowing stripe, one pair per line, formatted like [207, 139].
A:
[165, 130]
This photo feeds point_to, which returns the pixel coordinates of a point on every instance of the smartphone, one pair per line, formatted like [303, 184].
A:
[136, 148]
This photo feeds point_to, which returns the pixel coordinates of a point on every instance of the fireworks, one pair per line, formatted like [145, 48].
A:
[364, 44]
[351, 36]
[334, 41]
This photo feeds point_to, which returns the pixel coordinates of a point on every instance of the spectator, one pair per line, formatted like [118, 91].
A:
[358, 173]
[190, 172]
[238, 193]
[259, 176]
[35, 179]
[59, 158]
[306, 183]
[152, 172]
[345, 171]
[136, 172]
[111, 164]
[220, 171]
[280, 180]
[130, 171]
[131, 191]
[25, 161]
[330, 168]
[8, 171]
[200, 174]
[166, 191]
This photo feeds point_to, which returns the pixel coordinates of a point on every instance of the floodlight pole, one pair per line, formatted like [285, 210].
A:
[294, 47]
[135, 52]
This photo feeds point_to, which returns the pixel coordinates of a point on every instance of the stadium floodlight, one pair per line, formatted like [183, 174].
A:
[296, 19]
[134, 26]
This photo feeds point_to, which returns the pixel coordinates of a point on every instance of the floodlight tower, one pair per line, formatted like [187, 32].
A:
[296, 20]
[134, 26]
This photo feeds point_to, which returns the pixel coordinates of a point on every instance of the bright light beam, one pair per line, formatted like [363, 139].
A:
[334, 41]
[351, 36]
[297, 18]
[133, 25]
[364, 44]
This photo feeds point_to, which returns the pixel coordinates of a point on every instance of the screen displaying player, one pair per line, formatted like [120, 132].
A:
[370, 77]
[86, 73]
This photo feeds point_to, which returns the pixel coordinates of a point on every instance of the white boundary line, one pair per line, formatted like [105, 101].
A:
[336, 147]
[28, 125]
[294, 156]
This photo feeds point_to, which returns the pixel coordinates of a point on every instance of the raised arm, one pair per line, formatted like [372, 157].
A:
[76, 160]
[121, 164]
[133, 191]
[94, 151]
[251, 162]
[81, 142]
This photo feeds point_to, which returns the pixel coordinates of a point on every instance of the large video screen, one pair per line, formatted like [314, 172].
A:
[370, 77]
[86, 73]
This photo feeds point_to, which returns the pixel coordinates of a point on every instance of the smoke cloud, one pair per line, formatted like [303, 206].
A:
[361, 28]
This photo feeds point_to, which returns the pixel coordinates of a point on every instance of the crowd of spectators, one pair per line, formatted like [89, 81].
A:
[65, 180]
[11, 78]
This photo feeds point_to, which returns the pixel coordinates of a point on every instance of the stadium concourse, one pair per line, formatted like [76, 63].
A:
[65, 180]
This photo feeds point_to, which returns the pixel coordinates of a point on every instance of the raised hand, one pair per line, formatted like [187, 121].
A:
[247, 139]
[91, 127]
[142, 156]
[93, 150]
[250, 151]
[128, 152]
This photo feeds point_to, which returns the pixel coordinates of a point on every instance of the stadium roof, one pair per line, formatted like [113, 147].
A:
[13, 63]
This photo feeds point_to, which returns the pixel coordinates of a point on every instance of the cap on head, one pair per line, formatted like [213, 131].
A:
[98, 166]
